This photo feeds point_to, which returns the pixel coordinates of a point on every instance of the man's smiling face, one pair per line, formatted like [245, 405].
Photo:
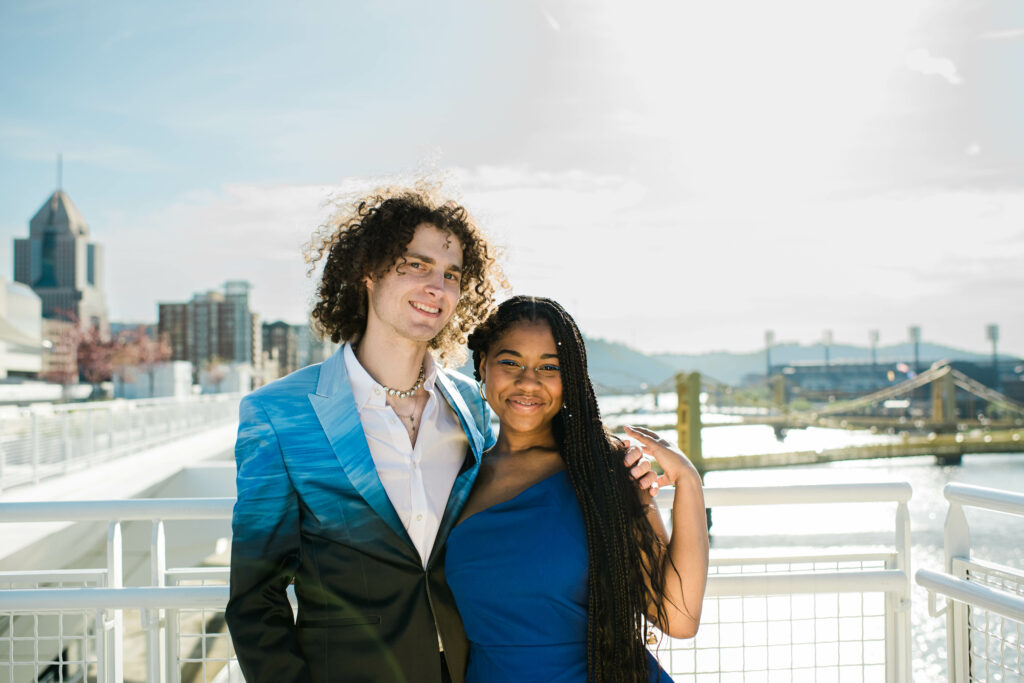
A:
[417, 296]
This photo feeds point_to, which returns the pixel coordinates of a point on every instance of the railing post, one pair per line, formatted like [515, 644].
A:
[110, 430]
[957, 544]
[35, 446]
[90, 445]
[155, 620]
[65, 432]
[956, 535]
[898, 640]
[142, 425]
[128, 410]
[171, 646]
[101, 645]
[114, 625]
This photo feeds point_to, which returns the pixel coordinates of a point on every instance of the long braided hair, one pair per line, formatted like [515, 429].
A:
[625, 578]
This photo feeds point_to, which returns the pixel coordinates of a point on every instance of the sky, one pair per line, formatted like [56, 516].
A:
[681, 176]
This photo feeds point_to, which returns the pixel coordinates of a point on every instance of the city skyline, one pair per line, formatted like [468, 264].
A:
[681, 181]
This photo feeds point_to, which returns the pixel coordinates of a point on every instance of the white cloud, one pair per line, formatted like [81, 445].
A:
[921, 61]
[242, 232]
[1008, 34]
[660, 272]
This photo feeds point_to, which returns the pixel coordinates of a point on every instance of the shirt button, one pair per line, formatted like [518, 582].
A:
[419, 518]
[376, 390]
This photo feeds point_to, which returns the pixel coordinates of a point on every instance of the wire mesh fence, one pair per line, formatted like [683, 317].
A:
[51, 646]
[996, 650]
[825, 615]
[199, 638]
[838, 636]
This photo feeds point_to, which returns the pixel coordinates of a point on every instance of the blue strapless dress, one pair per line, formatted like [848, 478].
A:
[518, 571]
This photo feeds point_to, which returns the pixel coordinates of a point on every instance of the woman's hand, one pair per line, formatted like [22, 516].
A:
[686, 563]
[640, 470]
[673, 463]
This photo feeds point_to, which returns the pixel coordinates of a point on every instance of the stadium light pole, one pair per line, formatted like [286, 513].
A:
[992, 334]
[915, 339]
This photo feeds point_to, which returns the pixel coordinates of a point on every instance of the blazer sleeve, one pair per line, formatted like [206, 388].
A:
[264, 554]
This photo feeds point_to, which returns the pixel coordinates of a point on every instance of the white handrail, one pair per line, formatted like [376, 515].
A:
[116, 510]
[972, 593]
[985, 498]
[868, 581]
[829, 557]
[63, 599]
[48, 408]
[730, 496]
[220, 508]
[216, 597]
[52, 575]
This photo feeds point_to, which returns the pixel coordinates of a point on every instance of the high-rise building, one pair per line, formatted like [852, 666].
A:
[288, 348]
[61, 265]
[281, 341]
[214, 327]
[312, 348]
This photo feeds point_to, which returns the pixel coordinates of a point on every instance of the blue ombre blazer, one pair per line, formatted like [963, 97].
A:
[311, 509]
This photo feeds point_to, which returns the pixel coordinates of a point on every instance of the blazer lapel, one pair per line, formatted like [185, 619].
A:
[464, 482]
[336, 410]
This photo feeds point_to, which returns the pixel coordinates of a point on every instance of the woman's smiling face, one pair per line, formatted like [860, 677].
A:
[522, 379]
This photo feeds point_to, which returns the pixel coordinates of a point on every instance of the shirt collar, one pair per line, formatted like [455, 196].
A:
[366, 391]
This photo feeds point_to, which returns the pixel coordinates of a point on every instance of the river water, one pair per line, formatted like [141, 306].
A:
[994, 537]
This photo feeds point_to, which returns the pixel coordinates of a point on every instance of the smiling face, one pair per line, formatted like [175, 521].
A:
[522, 379]
[417, 296]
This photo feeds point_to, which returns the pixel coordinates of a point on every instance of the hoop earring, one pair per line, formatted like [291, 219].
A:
[482, 395]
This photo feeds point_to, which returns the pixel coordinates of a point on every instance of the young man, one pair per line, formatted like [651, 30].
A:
[352, 472]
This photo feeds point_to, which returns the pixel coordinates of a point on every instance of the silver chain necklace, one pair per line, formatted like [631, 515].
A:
[406, 394]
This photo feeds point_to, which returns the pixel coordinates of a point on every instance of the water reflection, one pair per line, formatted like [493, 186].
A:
[994, 536]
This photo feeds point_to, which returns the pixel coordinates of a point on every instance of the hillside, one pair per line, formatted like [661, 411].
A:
[617, 368]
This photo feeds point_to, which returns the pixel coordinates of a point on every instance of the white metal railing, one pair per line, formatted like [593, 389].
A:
[815, 617]
[837, 602]
[48, 440]
[161, 604]
[984, 601]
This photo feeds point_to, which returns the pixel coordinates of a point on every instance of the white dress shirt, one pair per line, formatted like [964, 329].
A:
[418, 479]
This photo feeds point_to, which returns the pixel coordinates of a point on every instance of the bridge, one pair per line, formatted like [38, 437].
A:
[944, 382]
[942, 433]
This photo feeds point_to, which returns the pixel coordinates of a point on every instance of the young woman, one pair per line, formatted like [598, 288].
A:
[559, 562]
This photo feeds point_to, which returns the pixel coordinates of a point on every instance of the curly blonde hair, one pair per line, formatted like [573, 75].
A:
[368, 236]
